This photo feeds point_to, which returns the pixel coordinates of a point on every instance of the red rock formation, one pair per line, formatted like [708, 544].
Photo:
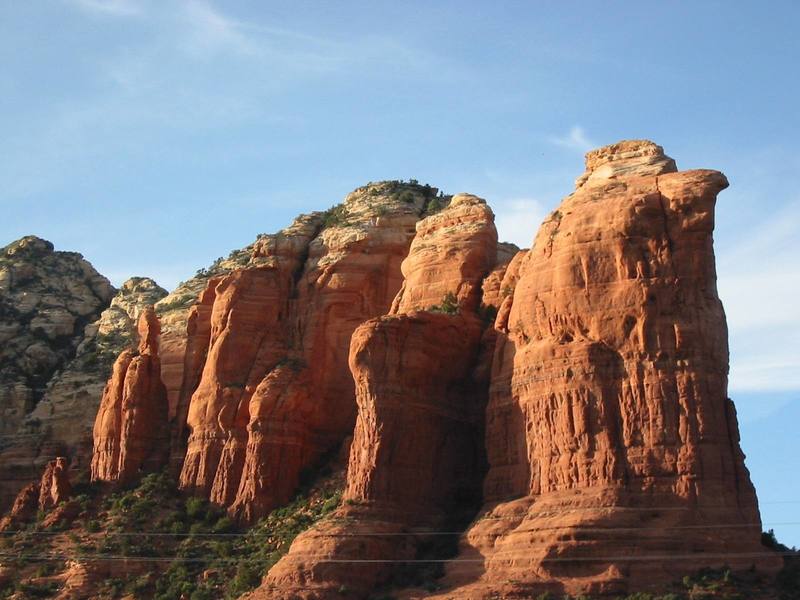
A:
[280, 442]
[186, 356]
[54, 487]
[492, 290]
[415, 459]
[52, 490]
[23, 509]
[130, 431]
[609, 433]
[610, 439]
[275, 393]
[245, 342]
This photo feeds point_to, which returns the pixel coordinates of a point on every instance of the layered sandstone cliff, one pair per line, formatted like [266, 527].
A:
[60, 424]
[573, 396]
[269, 393]
[613, 448]
[47, 297]
[415, 459]
[131, 434]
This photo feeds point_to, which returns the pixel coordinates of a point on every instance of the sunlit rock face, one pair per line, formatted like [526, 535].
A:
[416, 459]
[609, 434]
[131, 431]
[52, 490]
[265, 389]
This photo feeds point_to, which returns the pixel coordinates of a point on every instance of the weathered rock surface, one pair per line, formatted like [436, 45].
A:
[67, 410]
[573, 395]
[273, 392]
[54, 487]
[61, 422]
[492, 289]
[182, 345]
[24, 508]
[131, 433]
[609, 434]
[451, 254]
[52, 490]
[46, 300]
[416, 458]
[625, 160]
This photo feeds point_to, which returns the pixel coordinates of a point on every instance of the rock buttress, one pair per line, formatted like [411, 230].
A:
[130, 430]
[611, 441]
[416, 460]
[274, 392]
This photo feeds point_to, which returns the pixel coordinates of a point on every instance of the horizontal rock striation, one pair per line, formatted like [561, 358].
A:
[52, 489]
[573, 396]
[131, 431]
[610, 437]
[265, 386]
[416, 460]
[47, 298]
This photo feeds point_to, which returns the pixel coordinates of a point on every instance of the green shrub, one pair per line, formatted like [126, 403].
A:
[433, 206]
[39, 590]
[223, 525]
[195, 508]
[448, 306]
[247, 577]
[407, 196]
[335, 216]
[176, 582]
[178, 527]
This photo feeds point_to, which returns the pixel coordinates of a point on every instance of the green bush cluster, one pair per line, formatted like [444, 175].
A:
[335, 216]
[435, 205]
[449, 305]
[179, 302]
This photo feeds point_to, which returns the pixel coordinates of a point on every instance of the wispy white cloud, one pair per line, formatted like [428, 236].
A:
[576, 139]
[518, 219]
[190, 67]
[759, 283]
[209, 30]
[115, 8]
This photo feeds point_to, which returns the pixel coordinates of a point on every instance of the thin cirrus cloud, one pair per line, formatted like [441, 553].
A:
[115, 8]
[199, 29]
[576, 139]
[760, 299]
[517, 220]
[190, 67]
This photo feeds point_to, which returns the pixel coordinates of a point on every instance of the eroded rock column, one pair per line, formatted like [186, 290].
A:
[416, 459]
[131, 430]
[610, 437]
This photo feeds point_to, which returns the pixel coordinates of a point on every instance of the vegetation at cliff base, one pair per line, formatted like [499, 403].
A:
[176, 546]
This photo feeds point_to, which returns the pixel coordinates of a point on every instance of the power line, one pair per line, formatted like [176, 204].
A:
[199, 559]
[420, 532]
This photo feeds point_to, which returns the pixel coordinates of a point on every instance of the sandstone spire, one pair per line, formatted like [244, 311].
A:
[131, 429]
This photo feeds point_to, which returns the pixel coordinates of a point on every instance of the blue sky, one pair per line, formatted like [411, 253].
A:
[155, 136]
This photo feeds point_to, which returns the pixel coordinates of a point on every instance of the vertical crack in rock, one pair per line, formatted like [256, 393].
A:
[627, 427]
[130, 431]
[417, 458]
